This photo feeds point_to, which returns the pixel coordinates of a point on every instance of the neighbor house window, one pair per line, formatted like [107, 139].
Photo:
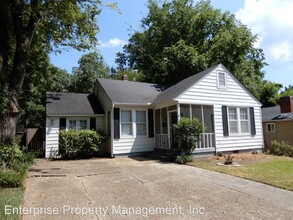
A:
[222, 81]
[238, 120]
[126, 122]
[271, 127]
[140, 123]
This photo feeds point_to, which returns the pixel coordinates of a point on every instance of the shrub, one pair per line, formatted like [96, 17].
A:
[183, 159]
[79, 143]
[228, 159]
[14, 164]
[187, 132]
[281, 148]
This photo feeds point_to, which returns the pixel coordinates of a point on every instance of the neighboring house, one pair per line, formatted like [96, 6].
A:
[278, 121]
[138, 117]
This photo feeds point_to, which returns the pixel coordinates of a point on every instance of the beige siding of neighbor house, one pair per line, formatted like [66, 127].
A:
[133, 144]
[283, 132]
[52, 137]
[206, 92]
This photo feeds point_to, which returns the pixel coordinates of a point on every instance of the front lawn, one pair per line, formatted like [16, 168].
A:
[12, 197]
[272, 170]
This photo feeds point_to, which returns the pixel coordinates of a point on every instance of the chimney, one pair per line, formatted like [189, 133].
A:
[125, 78]
[286, 104]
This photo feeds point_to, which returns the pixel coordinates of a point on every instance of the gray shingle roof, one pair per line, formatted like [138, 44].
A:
[180, 87]
[120, 91]
[274, 114]
[58, 103]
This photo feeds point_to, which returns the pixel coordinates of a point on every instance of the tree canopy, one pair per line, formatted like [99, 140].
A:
[91, 66]
[181, 38]
[56, 24]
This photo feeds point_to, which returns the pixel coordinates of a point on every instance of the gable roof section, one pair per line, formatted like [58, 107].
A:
[176, 90]
[274, 114]
[128, 92]
[59, 104]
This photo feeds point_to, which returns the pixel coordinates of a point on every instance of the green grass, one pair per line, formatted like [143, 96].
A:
[13, 197]
[272, 170]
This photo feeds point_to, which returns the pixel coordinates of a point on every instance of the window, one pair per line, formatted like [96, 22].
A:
[222, 82]
[271, 127]
[133, 122]
[238, 120]
[78, 124]
[83, 124]
[126, 122]
[233, 121]
[244, 122]
[140, 123]
[72, 124]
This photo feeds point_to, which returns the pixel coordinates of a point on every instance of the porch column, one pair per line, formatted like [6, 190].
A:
[178, 111]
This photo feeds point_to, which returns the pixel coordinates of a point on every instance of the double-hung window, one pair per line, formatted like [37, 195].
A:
[126, 122]
[238, 120]
[140, 123]
[133, 123]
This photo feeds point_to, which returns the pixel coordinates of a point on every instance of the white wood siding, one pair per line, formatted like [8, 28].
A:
[128, 145]
[206, 92]
[133, 145]
[52, 137]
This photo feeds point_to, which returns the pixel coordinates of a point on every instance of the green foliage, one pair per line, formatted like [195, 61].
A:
[14, 164]
[91, 66]
[79, 143]
[181, 38]
[268, 93]
[281, 148]
[13, 197]
[132, 75]
[288, 91]
[187, 132]
[228, 159]
[183, 159]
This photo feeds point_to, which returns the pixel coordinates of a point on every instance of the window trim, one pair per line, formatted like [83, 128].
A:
[218, 80]
[134, 123]
[270, 124]
[239, 132]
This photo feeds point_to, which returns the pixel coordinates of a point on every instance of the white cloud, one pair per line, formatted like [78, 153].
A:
[114, 42]
[282, 51]
[272, 21]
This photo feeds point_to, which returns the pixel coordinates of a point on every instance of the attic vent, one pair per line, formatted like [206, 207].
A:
[222, 80]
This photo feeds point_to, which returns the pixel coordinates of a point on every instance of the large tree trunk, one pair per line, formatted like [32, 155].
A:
[23, 34]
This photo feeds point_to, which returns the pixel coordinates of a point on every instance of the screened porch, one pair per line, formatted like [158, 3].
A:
[166, 117]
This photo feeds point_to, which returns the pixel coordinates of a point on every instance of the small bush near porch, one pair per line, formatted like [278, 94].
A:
[187, 132]
[79, 143]
[268, 169]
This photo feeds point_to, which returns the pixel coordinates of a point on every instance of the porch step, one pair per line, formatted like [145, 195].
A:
[164, 154]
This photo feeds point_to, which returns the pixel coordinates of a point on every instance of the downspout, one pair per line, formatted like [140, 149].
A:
[112, 130]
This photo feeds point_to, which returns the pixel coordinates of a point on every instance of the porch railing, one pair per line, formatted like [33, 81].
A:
[162, 141]
[206, 141]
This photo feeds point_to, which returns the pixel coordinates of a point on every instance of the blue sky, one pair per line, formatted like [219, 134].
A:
[271, 20]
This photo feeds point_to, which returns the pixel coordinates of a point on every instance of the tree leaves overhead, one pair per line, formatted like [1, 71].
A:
[181, 38]
[91, 66]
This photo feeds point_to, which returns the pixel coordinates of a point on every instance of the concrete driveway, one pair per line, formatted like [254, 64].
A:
[124, 188]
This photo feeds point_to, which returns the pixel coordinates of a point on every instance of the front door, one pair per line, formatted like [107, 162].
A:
[173, 120]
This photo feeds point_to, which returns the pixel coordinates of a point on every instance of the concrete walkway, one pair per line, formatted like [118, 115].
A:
[125, 188]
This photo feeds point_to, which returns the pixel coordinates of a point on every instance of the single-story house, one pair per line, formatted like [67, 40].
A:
[138, 117]
[278, 121]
